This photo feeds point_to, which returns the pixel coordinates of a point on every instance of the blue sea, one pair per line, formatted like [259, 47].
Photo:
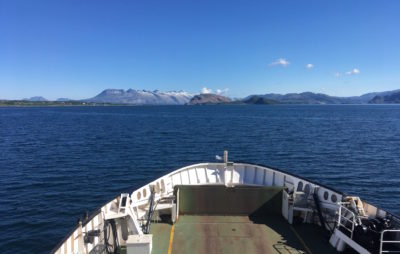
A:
[56, 163]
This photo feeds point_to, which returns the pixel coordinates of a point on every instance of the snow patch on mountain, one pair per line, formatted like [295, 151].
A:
[142, 97]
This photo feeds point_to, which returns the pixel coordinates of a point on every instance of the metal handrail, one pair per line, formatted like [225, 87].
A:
[382, 241]
[351, 220]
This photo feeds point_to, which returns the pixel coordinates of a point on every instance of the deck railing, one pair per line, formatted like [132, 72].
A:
[383, 241]
[343, 212]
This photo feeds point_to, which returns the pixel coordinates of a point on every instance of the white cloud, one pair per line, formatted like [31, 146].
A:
[223, 91]
[338, 74]
[354, 71]
[309, 66]
[281, 61]
[206, 90]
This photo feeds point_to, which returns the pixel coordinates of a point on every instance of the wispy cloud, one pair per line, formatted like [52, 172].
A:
[309, 66]
[206, 90]
[281, 61]
[222, 91]
[354, 71]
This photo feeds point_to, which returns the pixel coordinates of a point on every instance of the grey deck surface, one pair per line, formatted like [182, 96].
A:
[239, 220]
[238, 234]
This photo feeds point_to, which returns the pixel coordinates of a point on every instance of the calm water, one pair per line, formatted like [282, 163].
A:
[57, 163]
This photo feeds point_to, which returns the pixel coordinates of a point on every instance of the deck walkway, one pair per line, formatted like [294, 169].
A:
[238, 234]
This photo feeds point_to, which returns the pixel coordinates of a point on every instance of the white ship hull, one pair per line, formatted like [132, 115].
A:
[130, 211]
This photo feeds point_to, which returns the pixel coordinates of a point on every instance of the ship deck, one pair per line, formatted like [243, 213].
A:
[237, 234]
[246, 219]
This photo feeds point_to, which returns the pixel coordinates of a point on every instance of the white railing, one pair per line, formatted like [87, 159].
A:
[388, 241]
[351, 220]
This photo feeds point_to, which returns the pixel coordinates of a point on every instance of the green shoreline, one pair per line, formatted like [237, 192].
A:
[19, 103]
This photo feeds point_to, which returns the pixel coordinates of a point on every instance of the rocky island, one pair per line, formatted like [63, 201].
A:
[209, 99]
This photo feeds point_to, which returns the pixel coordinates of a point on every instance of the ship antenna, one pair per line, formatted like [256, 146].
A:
[225, 156]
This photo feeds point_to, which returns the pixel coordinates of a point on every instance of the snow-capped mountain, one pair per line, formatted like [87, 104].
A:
[142, 97]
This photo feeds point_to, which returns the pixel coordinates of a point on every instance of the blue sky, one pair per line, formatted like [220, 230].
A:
[76, 49]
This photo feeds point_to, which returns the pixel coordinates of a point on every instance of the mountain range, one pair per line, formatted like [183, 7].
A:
[319, 98]
[386, 98]
[35, 98]
[156, 97]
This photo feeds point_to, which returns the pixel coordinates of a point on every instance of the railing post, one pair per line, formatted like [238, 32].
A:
[352, 228]
[80, 238]
[389, 241]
